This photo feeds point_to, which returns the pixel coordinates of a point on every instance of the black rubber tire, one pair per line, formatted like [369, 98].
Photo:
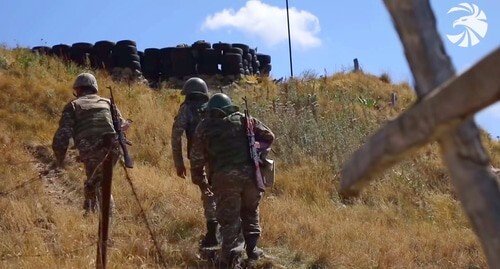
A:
[152, 52]
[264, 59]
[101, 56]
[231, 64]
[125, 55]
[126, 43]
[61, 51]
[151, 64]
[201, 45]
[80, 53]
[122, 50]
[234, 50]
[208, 63]
[82, 46]
[141, 57]
[123, 60]
[134, 65]
[255, 66]
[166, 68]
[183, 62]
[243, 47]
[221, 46]
[104, 45]
[42, 50]
[209, 56]
[265, 69]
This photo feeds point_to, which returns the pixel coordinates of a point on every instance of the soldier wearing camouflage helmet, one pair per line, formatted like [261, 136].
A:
[87, 119]
[196, 91]
[221, 141]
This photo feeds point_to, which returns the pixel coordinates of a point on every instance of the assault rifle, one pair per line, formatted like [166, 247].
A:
[129, 163]
[249, 126]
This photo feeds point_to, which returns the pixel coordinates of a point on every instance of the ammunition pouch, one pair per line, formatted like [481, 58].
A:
[268, 171]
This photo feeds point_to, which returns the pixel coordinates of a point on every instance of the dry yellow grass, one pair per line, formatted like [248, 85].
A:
[409, 218]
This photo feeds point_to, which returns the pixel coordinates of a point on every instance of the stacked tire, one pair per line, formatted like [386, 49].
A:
[208, 62]
[102, 57]
[197, 48]
[254, 63]
[206, 58]
[124, 55]
[124, 61]
[245, 56]
[166, 66]
[151, 64]
[183, 62]
[42, 50]
[265, 64]
[232, 62]
[80, 52]
[220, 49]
[226, 65]
[61, 51]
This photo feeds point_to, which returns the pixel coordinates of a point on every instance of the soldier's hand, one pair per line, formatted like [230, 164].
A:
[181, 171]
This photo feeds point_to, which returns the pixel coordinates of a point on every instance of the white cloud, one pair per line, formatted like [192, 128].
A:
[269, 23]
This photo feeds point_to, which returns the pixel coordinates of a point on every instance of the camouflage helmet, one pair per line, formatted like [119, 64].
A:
[85, 80]
[195, 85]
[221, 102]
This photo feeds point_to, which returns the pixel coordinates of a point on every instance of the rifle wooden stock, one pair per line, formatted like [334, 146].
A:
[249, 126]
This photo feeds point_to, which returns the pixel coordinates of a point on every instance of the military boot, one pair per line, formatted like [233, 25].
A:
[210, 239]
[253, 252]
[89, 205]
[235, 262]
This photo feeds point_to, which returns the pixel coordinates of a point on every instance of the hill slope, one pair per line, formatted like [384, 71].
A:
[409, 218]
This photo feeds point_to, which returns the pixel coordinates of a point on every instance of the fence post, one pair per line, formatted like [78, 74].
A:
[356, 65]
[104, 204]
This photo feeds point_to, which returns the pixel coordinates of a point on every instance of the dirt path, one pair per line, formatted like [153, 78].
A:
[62, 190]
[64, 187]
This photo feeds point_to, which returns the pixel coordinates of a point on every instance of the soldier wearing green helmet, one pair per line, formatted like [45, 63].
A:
[221, 142]
[87, 120]
[196, 91]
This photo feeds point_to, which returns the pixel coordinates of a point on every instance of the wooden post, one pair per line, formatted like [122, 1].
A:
[105, 199]
[356, 65]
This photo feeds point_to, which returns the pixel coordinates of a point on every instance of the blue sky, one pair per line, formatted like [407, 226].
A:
[326, 34]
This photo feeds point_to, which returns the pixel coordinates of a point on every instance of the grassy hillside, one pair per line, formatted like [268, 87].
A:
[408, 218]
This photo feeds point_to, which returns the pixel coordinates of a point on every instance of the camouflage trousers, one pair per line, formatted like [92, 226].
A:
[237, 209]
[93, 163]
[209, 208]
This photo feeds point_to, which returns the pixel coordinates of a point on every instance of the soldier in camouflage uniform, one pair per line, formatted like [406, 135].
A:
[221, 141]
[188, 117]
[87, 120]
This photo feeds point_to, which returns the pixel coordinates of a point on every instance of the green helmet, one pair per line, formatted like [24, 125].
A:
[195, 85]
[85, 80]
[221, 102]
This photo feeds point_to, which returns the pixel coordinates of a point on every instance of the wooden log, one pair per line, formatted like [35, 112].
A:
[105, 210]
[462, 150]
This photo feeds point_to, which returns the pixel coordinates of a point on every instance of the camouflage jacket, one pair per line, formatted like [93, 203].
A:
[222, 144]
[186, 121]
[66, 130]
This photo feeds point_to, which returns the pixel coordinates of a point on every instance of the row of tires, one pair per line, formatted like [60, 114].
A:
[161, 64]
